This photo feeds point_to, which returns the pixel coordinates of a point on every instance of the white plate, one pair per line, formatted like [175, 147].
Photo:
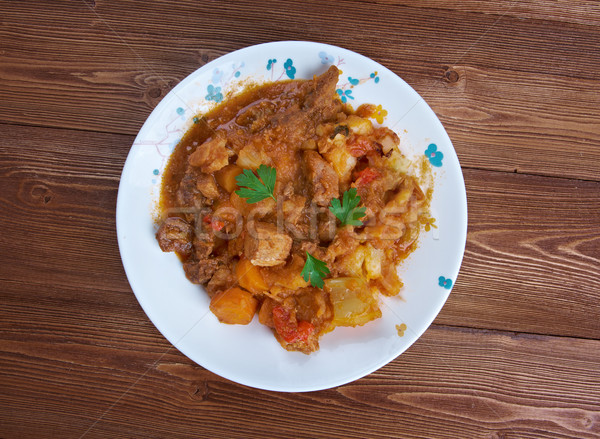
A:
[250, 354]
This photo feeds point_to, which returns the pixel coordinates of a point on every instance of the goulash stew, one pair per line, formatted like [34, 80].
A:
[286, 203]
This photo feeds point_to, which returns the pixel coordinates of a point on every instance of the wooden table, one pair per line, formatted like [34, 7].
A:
[515, 353]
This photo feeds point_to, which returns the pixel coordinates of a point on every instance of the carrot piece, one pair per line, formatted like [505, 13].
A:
[234, 306]
[249, 277]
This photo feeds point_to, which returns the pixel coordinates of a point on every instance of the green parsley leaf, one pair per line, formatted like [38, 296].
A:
[253, 189]
[315, 270]
[347, 211]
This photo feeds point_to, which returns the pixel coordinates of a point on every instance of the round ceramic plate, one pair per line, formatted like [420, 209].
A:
[250, 354]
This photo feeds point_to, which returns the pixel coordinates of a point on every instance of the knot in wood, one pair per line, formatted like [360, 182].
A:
[154, 92]
[199, 391]
[451, 76]
[41, 194]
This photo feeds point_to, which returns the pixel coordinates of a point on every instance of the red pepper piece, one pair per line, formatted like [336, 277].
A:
[289, 330]
[359, 146]
[366, 176]
[214, 224]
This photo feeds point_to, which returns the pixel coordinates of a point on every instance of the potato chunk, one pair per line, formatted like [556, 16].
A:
[342, 162]
[359, 125]
[353, 301]
[226, 177]
[252, 156]
[234, 306]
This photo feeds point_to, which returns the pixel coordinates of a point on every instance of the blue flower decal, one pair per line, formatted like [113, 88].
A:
[345, 94]
[326, 58]
[180, 111]
[270, 63]
[353, 81]
[290, 70]
[446, 283]
[435, 157]
[214, 93]
[375, 77]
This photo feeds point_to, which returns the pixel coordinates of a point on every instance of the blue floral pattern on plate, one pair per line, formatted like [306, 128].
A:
[445, 283]
[435, 157]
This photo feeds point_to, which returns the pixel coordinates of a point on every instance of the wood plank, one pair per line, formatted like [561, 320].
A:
[579, 11]
[531, 265]
[520, 122]
[69, 382]
[513, 94]
[58, 202]
[532, 261]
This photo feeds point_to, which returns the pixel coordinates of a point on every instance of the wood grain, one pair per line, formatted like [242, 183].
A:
[578, 11]
[66, 381]
[514, 353]
[506, 107]
[520, 122]
[58, 202]
[60, 189]
[532, 258]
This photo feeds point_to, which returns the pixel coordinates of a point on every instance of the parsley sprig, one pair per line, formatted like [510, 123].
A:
[253, 189]
[347, 211]
[315, 270]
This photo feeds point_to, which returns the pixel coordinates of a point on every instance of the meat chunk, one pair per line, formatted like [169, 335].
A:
[323, 179]
[212, 155]
[188, 194]
[327, 225]
[265, 246]
[257, 115]
[208, 186]
[200, 272]
[175, 235]
[321, 98]
[293, 208]
[203, 245]
[221, 280]
[296, 222]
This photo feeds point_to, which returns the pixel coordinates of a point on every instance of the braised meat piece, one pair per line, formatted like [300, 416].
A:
[208, 186]
[175, 235]
[200, 272]
[221, 280]
[188, 195]
[265, 246]
[323, 179]
[295, 220]
[212, 155]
